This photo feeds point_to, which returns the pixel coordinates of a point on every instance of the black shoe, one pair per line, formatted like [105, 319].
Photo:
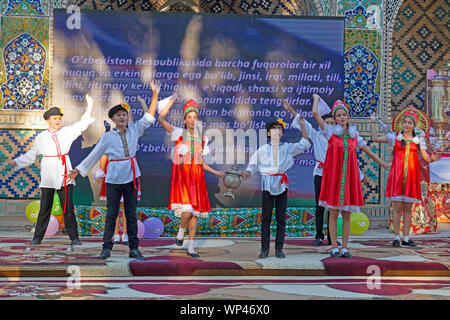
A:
[106, 253]
[396, 243]
[346, 254]
[317, 242]
[35, 242]
[409, 243]
[279, 253]
[179, 242]
[136, 254]
[336, 254]
[264, 254]
[76, 242]
[193, 254]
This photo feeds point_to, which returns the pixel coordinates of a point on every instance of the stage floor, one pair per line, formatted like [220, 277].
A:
[229, 268]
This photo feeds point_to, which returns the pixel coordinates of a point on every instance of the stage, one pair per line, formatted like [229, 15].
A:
[229, 268]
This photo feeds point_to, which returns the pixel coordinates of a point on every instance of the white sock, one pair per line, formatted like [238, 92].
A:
[333, 250]
[406, 238]
[180, 234]
[344, 250]
[397, 237]
[191, 246]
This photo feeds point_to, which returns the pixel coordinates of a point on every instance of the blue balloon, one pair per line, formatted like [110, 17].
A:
[153, 228]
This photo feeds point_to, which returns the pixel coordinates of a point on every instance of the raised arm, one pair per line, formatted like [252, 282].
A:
[162, 116]
[143, 104]
[315, 111]
[288, 107]
[302, 123]
[90, 106]
[156, 87]
[374, 136]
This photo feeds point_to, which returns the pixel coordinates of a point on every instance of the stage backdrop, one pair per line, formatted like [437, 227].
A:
[237, 68]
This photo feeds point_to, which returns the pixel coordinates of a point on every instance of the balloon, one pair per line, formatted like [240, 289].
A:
[32, 210]
[56, 209]
[359, 223]
[153, 228]
[52, 228]
[339, 226]
[141, 229]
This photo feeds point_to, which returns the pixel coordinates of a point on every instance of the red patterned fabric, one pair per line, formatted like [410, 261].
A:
[188, 184]
[400, 183]
[332, 173]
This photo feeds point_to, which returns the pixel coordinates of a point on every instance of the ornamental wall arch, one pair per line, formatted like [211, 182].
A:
[398, 87]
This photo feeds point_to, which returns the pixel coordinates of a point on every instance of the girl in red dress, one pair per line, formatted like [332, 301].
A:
[341, 185]
[403, 185]
[188, 193]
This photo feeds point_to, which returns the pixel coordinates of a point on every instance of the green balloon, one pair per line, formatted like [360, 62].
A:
[32, 210]
[359, 223]
[56, 209]
[339, 226]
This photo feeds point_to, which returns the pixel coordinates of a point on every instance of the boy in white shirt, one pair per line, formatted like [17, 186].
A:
[320, 144]
[120, 146]
[54, 144]
[272, 160]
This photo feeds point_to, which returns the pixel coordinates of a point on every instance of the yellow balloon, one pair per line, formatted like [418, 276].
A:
[359, 223]
[32, 210]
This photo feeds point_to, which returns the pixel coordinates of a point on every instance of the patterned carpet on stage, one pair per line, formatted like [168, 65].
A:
[229, 268]
[224, 257]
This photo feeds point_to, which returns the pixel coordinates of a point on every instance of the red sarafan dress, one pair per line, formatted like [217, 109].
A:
[404, 177]
[341, 185]
[188, 192]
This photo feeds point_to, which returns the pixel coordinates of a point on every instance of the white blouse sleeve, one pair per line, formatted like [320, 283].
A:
[143, 123]
[299, 147]
[176, 133]
[28, 158]
[391, 138]
[253, 162]
[423, 143]
[360, 142]
[327, 131]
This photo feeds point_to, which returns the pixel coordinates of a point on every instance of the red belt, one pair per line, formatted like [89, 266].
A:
[321, 164]
[284, 178]
[64, 163]
[133, 167]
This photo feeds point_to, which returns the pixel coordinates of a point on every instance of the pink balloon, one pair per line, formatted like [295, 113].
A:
[52, 227]
[141, 229]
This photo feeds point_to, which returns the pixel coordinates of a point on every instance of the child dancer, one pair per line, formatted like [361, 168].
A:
[272, 160]
[403, 186]
[121, 216]
[188, 193]
[54, 145]
[120, 146]
[341, 185]
[320, 150]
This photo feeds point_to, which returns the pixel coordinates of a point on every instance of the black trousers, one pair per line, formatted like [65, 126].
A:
[320, 210]
[46, 205]
[268, 202]
[113, 194]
